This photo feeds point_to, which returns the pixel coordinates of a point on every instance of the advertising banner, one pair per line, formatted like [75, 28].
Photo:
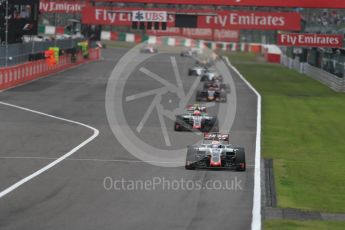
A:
[121, 16]
[226, 35]
[68, 7]
[334, 4]
[229, 20]
[311, 40]
[170, 31]
[149, 16]
[199, 34]
[251, 20]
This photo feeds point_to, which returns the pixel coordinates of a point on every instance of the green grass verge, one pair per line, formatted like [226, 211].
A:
[304, 132]
[305, 225]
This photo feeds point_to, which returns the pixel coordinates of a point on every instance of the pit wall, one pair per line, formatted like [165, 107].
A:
[16, 75]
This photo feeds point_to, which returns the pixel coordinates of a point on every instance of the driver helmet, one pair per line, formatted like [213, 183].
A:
[197, 113]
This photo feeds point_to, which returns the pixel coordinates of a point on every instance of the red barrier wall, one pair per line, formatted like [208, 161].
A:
[19, 74]
[272, 58]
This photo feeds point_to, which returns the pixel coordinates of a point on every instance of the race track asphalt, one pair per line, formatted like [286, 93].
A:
[71, 195]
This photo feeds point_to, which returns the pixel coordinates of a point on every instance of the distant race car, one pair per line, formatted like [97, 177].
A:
[196, 70]
[148, 50]
[196, 120]
[211, 94]
[211, 75]
[190, 52]
[217, 86]
[187, 53]
[215, 152]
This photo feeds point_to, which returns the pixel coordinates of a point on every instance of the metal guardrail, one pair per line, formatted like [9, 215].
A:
[333, 81]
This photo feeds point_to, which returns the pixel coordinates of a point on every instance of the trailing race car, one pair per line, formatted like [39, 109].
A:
[216, 152]
[216, 85]
[148, 49]
[211, 75]
[211, 94]
[196, 120]
[196, 70]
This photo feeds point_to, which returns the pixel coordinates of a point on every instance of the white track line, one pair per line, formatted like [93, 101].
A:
[58, 160]
[256, 212]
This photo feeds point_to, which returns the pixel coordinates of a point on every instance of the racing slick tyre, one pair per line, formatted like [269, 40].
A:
[177, 127]
[179, 124]
[190, 158]
[192, 73]
[204, 78]
[240, 160]
[225, 87]
[222, 97]
[211, 127]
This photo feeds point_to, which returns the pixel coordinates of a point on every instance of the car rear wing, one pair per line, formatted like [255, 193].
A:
[217, 137]
[192, 108]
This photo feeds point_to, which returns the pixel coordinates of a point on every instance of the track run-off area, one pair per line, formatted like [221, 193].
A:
[61, 166]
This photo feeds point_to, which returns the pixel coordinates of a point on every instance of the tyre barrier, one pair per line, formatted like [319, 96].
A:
[29, 71]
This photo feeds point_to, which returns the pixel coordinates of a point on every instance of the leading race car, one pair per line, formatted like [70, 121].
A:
[196, 120]
[190, 52]
[148, 49]
[215, 152]
[187, 53]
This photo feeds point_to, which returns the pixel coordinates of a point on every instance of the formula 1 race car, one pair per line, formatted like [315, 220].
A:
[186, 53]
[196, 70]
[148, 50]
[190, 52]
[196, 120]
[215, 152]
[211, 75]
[211, 94]
[217, 86]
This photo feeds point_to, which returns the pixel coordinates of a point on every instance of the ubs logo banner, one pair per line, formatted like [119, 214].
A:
[149, 16]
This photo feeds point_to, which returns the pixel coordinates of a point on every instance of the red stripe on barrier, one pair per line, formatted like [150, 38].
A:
[114, 36]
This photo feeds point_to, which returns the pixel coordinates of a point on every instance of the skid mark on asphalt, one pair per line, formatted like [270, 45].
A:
[57, 160]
